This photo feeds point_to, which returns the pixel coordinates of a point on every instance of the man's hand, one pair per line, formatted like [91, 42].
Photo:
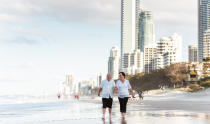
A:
[116, 90]
[99, 92]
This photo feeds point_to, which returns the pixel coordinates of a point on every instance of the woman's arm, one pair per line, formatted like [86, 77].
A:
[131, 92]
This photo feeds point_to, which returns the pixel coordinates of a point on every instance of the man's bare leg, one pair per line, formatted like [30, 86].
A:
[104, 111]
[123, 115]
[110, 113]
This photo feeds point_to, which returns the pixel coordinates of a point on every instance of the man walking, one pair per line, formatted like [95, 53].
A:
[107, 87]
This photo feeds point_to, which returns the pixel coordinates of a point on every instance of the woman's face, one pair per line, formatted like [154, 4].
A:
[121, 76]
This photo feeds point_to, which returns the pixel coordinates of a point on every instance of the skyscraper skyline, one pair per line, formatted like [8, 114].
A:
[203, 23]
[129, 28]
[51, 40]
[144, 31]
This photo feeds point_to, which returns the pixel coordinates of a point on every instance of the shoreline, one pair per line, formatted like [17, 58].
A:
[169, 106]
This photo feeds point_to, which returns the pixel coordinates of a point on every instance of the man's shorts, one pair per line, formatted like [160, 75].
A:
[107, 102]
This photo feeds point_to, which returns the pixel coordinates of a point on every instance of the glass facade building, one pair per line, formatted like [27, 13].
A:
[203, 24]
[146, 29]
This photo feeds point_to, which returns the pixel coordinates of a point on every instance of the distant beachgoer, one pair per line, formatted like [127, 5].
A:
[141, 97]
[59, 95]
[123, 88]
[107, 87]
[76, 96]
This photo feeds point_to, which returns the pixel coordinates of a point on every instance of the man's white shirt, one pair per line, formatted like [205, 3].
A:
[107, 88]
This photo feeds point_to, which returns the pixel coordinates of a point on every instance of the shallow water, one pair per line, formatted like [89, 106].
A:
[163, 108]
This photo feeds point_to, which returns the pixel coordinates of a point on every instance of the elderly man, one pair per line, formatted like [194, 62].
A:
[107, 87]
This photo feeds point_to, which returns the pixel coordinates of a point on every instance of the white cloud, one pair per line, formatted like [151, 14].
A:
[4, 17]
[98, 11]
[90, 11]
[173, 11]
[31, 31]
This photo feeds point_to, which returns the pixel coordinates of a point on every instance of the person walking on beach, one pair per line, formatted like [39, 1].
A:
[107, 88]
[123, 88]
[141, 97]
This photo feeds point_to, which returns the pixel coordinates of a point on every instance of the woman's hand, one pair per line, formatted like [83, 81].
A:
[131, 92]
[116, 90]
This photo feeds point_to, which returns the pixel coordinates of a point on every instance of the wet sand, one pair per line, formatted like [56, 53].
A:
[89, 111]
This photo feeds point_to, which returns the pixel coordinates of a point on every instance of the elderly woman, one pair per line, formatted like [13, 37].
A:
[123, 88]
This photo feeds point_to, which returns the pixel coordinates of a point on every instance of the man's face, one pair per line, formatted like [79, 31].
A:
[109, 77]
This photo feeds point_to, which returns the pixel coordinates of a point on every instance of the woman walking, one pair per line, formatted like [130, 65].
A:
[123, 89]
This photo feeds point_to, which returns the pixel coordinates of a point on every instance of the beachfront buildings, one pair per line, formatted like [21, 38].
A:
[129, 28]
[139, 51]
[206, 44]
[132, 62]
[201, 69]
[203, 24]
[146, 37]
[150, 52]
[146, 30]
[137, 31]
[169, 51]
[193, 53]
[69, 88]
[114, 62]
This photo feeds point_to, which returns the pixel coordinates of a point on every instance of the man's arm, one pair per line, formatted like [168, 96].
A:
[99, 92]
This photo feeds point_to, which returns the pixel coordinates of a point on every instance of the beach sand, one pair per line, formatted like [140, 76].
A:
[157, 109]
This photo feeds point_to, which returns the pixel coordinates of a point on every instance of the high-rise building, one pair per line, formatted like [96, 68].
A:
[114, 62]
[193, 53]
[206, 44]
[146, 34]
[93, 83]
[129, 26]
[99, 79]
[138, 11]
[137, 32]
[132, 62]
[169, 51]
[146, 30]
[203, 24]
[69, 85]
[150, 52]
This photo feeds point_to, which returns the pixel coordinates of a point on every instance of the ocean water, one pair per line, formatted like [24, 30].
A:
[160, 108]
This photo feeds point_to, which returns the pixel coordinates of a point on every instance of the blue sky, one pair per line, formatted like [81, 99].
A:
[42, 40]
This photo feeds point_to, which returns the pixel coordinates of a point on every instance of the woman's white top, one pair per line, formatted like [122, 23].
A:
[123, 88]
